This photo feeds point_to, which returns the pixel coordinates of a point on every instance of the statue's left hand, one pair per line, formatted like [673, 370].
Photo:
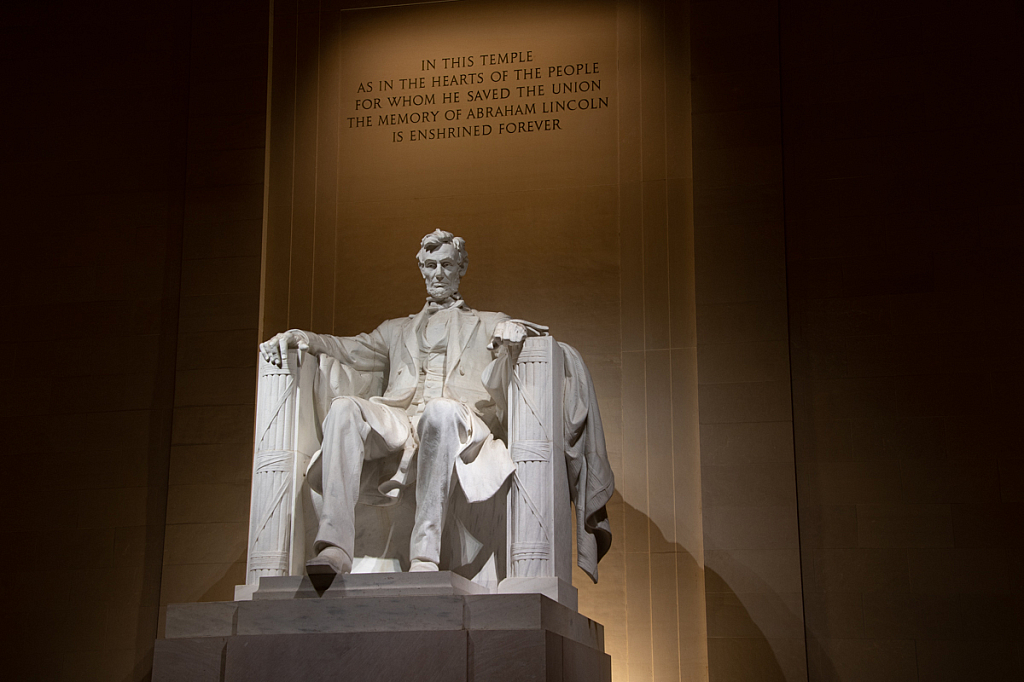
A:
[275, 351]
[508, 333]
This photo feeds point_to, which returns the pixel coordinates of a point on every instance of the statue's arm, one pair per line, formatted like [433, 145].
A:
[496, 377]
[364, 352]
[506, 342]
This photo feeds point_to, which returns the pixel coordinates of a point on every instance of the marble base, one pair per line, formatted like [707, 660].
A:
[376, 635]
[553, 588]
[416, 584]
[369, 585]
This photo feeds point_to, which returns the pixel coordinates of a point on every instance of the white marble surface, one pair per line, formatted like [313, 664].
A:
[551, 587]
[531, 612]
[377, 614]
[285, 441]
[349, 585]
[204, 619]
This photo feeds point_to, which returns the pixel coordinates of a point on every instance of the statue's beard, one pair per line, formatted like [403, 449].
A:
[440, 291]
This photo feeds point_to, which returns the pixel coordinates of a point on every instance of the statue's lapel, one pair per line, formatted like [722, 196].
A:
[412, 340]
[459, 335]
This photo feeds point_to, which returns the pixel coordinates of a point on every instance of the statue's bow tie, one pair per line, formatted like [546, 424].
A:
[434, 306]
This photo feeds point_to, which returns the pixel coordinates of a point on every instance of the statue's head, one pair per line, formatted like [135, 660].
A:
[443, 261]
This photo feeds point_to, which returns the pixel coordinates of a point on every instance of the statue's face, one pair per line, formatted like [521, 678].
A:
[440, 271]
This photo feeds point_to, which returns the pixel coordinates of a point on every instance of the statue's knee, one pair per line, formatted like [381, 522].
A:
[344, 410]
[440, 411]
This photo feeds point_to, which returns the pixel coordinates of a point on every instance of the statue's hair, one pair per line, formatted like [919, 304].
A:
[438, 238]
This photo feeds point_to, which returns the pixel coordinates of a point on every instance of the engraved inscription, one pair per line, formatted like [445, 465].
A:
[479, 95]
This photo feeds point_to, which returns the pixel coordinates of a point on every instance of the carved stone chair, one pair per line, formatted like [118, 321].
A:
[520, 541]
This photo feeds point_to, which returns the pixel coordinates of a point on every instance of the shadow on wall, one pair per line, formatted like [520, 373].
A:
[147, 624]
[755, 631]
[735, 632]
[224, 588]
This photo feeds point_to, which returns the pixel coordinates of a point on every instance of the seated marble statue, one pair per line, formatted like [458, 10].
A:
[448, 368]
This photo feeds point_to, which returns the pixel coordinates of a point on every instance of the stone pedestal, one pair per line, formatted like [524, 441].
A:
[393, 629]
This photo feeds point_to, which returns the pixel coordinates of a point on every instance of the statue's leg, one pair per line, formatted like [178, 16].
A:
[349, 438]
[443, 432]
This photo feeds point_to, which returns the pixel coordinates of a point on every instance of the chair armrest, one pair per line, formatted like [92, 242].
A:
[540, 532]
[285, 440]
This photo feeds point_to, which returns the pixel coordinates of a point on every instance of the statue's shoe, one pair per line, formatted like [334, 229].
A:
[418, 566]
[331, 561]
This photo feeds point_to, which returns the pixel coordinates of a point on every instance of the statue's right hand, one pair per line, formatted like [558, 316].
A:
[277, 348]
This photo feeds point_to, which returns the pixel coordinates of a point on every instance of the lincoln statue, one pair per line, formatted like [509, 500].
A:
[447, 370]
